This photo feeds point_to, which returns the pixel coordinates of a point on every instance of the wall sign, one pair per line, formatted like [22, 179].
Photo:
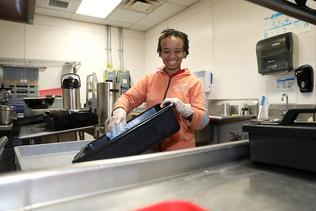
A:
[285, 83]
[279, 23]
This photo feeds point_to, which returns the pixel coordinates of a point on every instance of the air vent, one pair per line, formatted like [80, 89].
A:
[59, 3]
[144, 6]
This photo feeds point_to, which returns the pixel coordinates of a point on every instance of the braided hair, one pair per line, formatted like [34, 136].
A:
[174, 33]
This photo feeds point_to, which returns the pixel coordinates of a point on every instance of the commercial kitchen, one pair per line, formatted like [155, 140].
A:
[62, 71]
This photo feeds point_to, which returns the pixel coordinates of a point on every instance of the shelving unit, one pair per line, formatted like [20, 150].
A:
[39, 63]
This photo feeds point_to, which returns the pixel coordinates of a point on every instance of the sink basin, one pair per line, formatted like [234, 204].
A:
[232, 118]
[267, 121]
[274, 120]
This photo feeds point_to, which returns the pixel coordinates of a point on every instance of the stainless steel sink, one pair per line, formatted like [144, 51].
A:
[267, 121]
[234, 117]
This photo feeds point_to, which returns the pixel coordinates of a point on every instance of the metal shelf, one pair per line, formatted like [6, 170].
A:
[41, 63]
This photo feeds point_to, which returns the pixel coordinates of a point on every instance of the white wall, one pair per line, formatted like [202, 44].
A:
[223, 36]
[196, 22]
[60, 39]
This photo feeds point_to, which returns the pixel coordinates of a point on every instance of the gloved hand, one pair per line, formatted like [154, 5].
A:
[117, 124]
[184, 109]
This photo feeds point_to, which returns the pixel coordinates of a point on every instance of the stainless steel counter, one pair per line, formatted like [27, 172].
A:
[217, 177]
[228, 187]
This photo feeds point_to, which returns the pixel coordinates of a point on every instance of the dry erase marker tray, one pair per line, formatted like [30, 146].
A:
[149, 128]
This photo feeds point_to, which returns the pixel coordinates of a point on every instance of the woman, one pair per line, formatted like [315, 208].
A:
[170, 84]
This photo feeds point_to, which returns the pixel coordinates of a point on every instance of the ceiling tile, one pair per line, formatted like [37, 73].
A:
[121, 17]
[183, 2]
[116, 23]
[72, 7]
[87, 18]
[54, 13]
[42, 3]
[125, 16]
[162, 13]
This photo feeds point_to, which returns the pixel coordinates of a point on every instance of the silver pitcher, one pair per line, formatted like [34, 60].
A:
[7, 114]
[70, 83]
[107, 94]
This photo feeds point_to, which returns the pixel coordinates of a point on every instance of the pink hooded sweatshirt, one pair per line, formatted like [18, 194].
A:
[155, 87]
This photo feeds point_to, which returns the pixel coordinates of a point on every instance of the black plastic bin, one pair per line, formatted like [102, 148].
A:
[290, 143]
[63, 120]
[149, 128]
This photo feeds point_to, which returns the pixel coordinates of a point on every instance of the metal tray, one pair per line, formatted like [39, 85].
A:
[40, 156]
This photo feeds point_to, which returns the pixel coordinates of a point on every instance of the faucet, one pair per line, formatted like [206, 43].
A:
[286, 108]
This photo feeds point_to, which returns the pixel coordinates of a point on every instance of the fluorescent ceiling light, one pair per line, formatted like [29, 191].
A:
[97, 8]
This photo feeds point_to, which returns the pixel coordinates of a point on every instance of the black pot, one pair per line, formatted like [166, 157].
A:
[39, 102]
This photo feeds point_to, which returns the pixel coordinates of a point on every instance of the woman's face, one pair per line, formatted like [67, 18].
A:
[172, 53]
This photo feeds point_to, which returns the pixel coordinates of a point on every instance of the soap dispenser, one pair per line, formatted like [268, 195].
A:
[305, 78]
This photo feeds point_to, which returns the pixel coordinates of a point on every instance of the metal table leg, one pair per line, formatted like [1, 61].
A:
[31, 141]
[81, 135]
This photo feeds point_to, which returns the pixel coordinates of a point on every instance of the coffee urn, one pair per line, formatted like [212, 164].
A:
[70, 83]
[107, 94]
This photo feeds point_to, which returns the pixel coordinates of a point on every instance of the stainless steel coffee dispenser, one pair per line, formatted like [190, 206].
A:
[70, 83]
[107, 94]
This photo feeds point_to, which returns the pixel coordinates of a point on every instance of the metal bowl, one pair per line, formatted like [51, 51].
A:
[39, 102]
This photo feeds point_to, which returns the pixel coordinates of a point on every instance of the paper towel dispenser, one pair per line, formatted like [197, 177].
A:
[277, 54]
[206, 78]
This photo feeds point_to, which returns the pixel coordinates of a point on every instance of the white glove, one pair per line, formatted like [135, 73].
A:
[117, 122]
[184, 109]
